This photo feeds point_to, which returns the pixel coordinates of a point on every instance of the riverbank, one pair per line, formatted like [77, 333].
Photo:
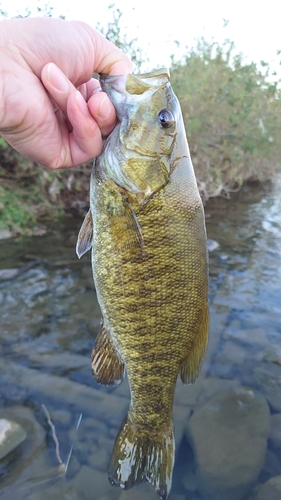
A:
[50, 317]
[33, 197]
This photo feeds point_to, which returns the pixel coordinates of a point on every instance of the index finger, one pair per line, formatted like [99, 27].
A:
[108, 58]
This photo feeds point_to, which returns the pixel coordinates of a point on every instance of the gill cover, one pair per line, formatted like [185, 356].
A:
[137, 154]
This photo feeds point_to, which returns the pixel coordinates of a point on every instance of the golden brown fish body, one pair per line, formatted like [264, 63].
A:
[150, 269]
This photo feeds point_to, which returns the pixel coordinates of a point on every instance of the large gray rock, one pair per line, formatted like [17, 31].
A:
[11, 436]
[25, 467]
[228, 435]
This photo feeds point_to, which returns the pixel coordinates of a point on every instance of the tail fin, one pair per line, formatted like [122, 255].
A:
[139, 456]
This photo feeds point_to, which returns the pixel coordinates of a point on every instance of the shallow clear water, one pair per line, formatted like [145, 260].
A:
[50, 317]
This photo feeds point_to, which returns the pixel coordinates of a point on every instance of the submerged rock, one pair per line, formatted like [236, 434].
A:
[272, 465]
[250, 336]
[11, 436]
[60, 490]
[233, 354]
[142, 492]
[272, 355]
[9, 274]
[228, 435]
[268, 377]
[275, 431]
[5, 234]
[212, 245]
[26, 466]
[271, 490]
[189, 481]
[91, 482]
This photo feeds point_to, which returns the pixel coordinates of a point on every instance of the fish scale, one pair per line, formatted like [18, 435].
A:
[149, 259]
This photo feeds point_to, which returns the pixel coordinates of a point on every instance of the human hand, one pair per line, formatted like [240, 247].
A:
[50, 107]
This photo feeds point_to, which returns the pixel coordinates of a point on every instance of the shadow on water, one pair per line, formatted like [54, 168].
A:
[228, 424]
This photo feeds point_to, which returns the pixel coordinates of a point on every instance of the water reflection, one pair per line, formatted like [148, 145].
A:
[228, 424]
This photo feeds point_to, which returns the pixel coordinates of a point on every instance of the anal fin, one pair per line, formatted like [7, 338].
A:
[107, 366]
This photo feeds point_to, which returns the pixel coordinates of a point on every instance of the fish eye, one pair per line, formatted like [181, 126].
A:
[166, 118]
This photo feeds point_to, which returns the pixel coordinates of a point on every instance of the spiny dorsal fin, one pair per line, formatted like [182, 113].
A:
[107, 366]
[85, 236]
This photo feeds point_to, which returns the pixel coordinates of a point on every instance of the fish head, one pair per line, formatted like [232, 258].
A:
[138, 155]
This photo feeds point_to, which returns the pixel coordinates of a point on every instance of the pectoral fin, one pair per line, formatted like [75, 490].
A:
[125, 228]
[133, 234]
[107, 366]
[85, 236]
[191, 365]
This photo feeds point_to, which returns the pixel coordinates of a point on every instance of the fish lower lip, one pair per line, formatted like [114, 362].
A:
[114, 82]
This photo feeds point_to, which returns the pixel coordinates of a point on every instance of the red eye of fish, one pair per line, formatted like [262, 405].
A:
[166, 118]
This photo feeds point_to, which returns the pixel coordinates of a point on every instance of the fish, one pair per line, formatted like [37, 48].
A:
[146, 228]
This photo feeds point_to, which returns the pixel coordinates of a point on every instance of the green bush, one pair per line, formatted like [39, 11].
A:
[14, 212]
[232, 114]
[28, 191]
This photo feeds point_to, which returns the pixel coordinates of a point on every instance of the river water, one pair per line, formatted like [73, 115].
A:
[228, 424]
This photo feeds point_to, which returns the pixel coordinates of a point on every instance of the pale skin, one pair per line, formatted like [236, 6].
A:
[51, 110]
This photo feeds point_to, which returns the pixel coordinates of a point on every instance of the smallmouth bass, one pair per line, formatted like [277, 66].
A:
[146, 228]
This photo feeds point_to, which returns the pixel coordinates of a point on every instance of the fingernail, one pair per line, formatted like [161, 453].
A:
[57, 78]
[104, 109]
[81, 103]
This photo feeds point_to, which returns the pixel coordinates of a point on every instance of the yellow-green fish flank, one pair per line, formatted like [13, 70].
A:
[147, 232]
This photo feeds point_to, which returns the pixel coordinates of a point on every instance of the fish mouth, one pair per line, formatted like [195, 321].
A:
[115, 88]
[143, 81]
[117, 83]
[124, 90]
[154, 78]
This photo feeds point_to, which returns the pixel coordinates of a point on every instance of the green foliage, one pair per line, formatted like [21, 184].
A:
[116, 32]
[14, 211]
[232, 114]
[3, 144]
[43, 8]
[28, 191]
